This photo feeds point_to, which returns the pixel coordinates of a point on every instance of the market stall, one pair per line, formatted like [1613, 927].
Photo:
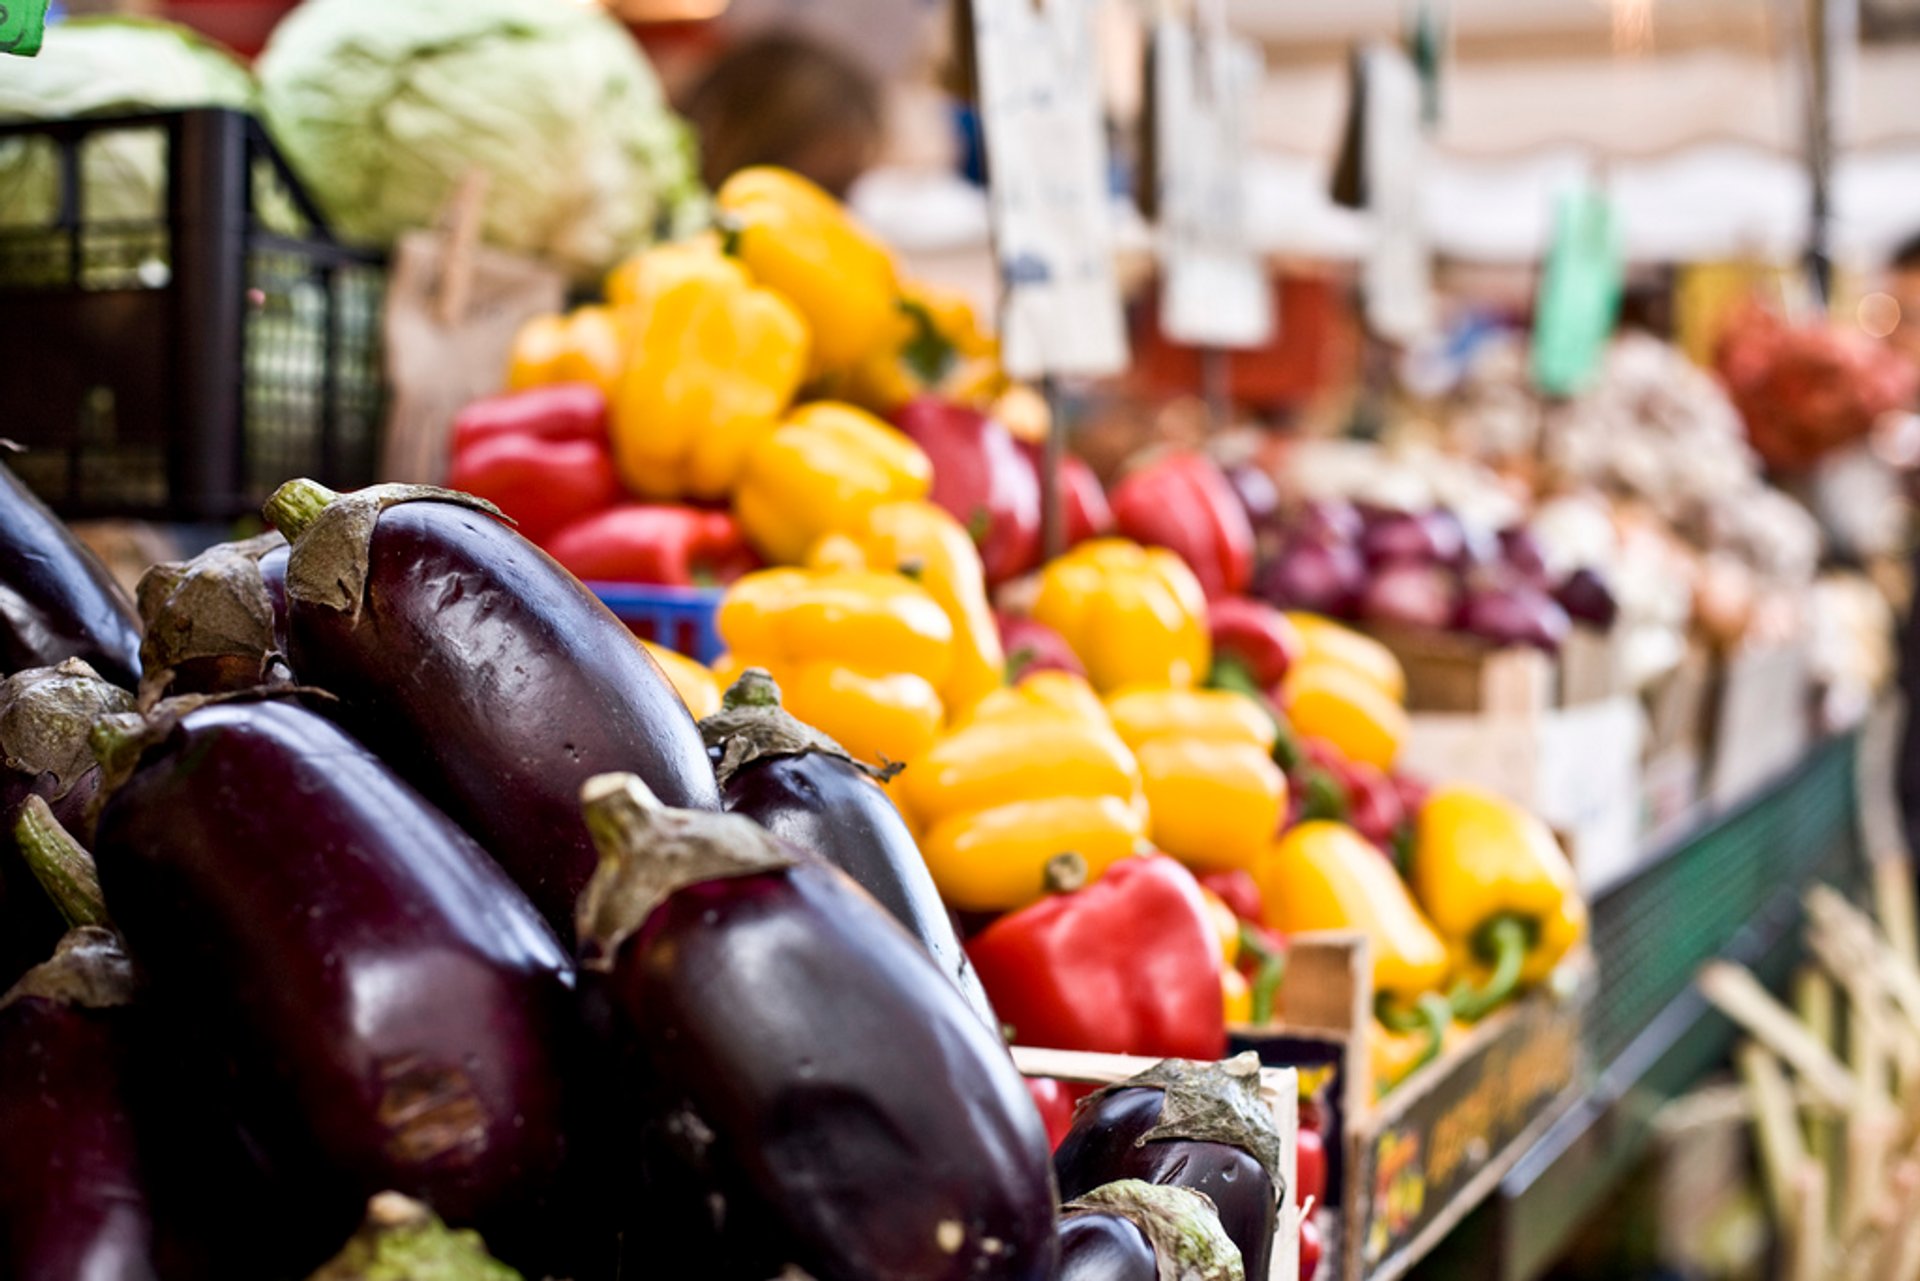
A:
[1169, 683]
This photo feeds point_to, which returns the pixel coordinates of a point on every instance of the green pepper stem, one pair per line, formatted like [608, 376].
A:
[1267, 974]
[1431, 1014]
[1065, 872]
[754, 688]
[1505, 938]
[296, 505]
[64, 869]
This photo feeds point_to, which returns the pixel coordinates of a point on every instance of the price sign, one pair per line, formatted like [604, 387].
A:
[1397, 276]
[1047, 179]
[1579, 299]
[23, 25]
[1214, 289]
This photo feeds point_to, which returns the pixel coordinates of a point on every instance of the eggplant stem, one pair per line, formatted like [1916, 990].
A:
[64, 869]
[754, 688]
[1506, 938]
[296, 505]
[1272, 968]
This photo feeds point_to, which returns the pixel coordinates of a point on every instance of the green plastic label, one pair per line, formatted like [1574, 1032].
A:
[1579, 300]
[23, 24]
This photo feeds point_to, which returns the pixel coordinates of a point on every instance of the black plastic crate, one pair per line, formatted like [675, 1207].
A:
[179, 347]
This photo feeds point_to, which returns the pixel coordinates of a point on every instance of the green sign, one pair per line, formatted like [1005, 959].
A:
[23, 23]
[1579, 300]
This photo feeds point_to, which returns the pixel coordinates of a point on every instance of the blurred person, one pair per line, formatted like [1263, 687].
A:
[782, 99]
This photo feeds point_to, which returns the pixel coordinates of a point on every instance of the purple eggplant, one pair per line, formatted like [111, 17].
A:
[1131, 1230]
[1316, 573]
[1410, 594]
[390, 1011]
[1201, 1126]
[1587, 599]
[57, 601]
[45, 716]
[212, 625]
[808, 1090]
[804, 788]
[73, 1201]
[482, 671]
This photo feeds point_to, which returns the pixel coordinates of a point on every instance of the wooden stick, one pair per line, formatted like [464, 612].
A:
[1893, 904]
[1807, 1244]
[1870, 1139]
[1782, 1154]
[1741, 998]
[1814, 1000]
[1901, 1223]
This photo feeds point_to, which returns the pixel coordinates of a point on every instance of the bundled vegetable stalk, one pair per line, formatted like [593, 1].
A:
[804, 1087]
[390, 1011]
[480, 670]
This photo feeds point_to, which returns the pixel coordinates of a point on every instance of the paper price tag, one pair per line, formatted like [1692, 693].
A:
[23, 25]
[1214, 292]
[1047, 181]
[1397, 276]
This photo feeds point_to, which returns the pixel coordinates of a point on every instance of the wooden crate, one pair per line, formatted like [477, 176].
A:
[1454, 673]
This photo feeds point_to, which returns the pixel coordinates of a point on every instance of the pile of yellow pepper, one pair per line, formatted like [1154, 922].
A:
[747, 367]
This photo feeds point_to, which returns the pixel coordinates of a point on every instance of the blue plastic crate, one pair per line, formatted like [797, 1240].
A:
[681, 618]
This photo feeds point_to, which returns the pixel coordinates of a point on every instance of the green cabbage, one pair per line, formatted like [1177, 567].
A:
[103, 67]
[383, 106]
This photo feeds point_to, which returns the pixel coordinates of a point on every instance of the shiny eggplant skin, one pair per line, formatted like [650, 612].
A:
[824, 804]
[73, 1200]
[388, 1009]
[810, 1092]
[273, 575]
[494, 681]
[1103, 1146]
[1104, 1247]
[57, 600]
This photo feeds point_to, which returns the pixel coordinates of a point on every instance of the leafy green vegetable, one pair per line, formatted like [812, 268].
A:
[383, 107]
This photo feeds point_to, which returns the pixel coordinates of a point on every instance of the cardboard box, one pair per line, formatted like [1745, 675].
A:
[1280, 1087]
[1577, 768]
[1403, 1171]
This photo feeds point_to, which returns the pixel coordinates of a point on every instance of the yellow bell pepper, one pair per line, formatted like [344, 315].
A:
[1333, 702]
[1498, 888]
[1394, 1056]
[1236, 997]
[944, 350]
[1029, 776]
[1325, 876]
[796, 238]
[929, 546]
[1325, 641]
[861, 656]
[1215, 795]
[1047, 691]
[713, 362]
[821, 472]
[1133, 615]
[694, 684]
[584, 346]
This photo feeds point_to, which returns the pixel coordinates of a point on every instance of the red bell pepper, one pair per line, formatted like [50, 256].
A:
[1128, 965]
[645, 543]
[1086, 513]
[1034, 647]
[541, 482]
[560, 411]
[981, 478]
[1185, 502]
[1055, 1100]
[1238, 890]
[1255, 635]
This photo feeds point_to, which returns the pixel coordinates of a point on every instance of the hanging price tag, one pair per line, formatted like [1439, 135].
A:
[1397, 275]
[23, 25]
[1214, 289]
[1047, 181]
[1579, 295]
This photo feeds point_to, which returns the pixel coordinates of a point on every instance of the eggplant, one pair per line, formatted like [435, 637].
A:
[57, 601]
[389, 1010]
[212, 624]
[804, 788]
[1131, 1230]
[1201, 1126]
[481, 671]
[805, 1088]
[73, 1200]
[45, 716]
[405, 1241]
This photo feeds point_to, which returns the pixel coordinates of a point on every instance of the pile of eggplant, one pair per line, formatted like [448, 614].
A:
[370, 906]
